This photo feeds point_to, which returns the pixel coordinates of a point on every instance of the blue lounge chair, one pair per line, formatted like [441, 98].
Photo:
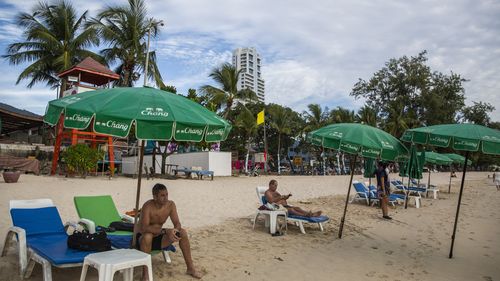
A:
[363, 194]
[41, 237]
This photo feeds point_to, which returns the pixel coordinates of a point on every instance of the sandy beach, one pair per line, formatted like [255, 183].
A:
[218, 215]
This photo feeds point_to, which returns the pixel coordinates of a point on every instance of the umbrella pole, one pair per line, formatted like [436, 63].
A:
[341, 227]
[407, 192]
[137, 196]
[451, 172]
[458, 205]
[369, 193]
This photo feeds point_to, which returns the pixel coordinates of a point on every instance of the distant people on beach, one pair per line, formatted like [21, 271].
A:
[383, 188]
[275, 200]
[453, 174]
[496, 178]
[152, 236]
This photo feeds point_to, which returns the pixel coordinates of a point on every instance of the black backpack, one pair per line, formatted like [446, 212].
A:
[84, 241]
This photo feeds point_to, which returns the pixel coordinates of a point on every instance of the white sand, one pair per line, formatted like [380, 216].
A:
[414, 246]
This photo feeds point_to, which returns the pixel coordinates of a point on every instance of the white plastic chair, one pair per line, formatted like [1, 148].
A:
[271, 216]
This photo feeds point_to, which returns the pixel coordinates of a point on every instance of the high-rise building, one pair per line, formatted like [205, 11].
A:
[248, 60]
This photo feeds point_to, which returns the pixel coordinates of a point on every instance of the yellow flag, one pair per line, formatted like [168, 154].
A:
[260, 117]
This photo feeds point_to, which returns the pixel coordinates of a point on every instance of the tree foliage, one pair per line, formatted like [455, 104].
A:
[478, 113]
[54, 39]
[126, 30]
[406, 94]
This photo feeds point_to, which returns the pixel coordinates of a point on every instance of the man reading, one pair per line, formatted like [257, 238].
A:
[274, 200]
[150, 232]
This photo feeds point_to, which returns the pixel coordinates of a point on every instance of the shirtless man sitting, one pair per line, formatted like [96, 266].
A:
[275, 199]
[151, 235]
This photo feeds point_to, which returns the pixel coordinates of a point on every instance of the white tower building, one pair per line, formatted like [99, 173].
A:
[248, 60]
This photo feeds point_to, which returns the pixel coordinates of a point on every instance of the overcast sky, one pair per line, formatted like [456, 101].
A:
[312, 51]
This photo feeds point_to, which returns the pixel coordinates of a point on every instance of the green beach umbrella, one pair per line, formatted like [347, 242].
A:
[466, 137]
[369, 172]
[457, 159]
[359, 140]
[436, 159]
[156, 114]
[412, 170]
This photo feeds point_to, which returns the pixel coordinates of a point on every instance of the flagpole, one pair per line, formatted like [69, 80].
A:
[265, 148]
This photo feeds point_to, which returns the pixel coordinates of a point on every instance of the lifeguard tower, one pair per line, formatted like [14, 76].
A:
[88, 75]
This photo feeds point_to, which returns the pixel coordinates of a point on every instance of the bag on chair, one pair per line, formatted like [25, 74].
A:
[85, 241]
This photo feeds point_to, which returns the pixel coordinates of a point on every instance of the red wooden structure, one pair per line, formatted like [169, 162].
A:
[85, 76]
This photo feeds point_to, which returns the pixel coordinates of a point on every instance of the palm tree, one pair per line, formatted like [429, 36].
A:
[124, 27]
[54, 39]
[315, 118]
[226, 76]
[397, 120]
[246, 120]
[280, 120]
[367, 115]
[342, 115]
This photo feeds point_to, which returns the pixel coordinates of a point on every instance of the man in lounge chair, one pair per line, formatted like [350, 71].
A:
[383, 189]
[152, 236]
[274, 200]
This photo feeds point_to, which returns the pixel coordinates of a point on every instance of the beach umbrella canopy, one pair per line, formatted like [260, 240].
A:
[359, 140]
[156, 114]
[466, 137]
[412, 169]
[436, 158]
[457, 159]
[369, 168]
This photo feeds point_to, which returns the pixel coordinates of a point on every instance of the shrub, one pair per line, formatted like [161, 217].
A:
[81, 159]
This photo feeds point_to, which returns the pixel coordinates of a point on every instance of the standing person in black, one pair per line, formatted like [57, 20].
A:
[383, 189]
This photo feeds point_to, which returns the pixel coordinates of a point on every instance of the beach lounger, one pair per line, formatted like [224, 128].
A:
[270, 216]
[363, 194]
[41, 238]
[394, 198]
[430, 188]
[100, 211]
[297, 220]
[198, 171]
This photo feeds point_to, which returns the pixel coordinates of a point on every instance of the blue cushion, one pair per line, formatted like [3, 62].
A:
[310, 219]
[55, 249]
[38, 221]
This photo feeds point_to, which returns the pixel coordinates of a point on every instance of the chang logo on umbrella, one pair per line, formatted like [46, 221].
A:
[438, 140]
[149, 111]
[78, 118]
[336, 134]
[386, 145]
[316, 139]
[114, 125]
[470, 144]
[349, 147]
[216, 132]
[369, 151]
[190, 131]
[491, 138]
[70, 100]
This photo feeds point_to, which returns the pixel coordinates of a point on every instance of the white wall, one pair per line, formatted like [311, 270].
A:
[218, 162]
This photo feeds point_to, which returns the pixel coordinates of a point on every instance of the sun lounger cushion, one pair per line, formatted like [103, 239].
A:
[46, 235]
[54, 248]
[47, 220]
[310, 219]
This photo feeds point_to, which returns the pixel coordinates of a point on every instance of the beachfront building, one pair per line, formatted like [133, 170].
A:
[249, 61]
